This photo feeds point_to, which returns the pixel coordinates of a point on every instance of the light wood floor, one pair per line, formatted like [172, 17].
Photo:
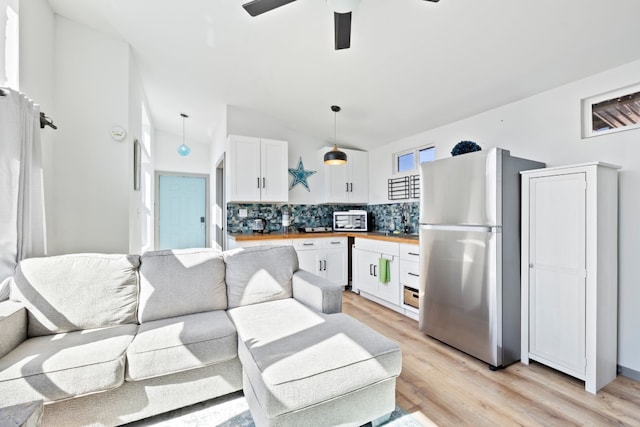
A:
[442, 386]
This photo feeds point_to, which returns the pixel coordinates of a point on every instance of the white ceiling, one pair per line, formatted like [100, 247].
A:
[413, 65]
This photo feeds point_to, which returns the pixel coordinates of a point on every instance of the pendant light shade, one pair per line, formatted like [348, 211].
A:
[183, 149]
[335, 156]
[343, 6]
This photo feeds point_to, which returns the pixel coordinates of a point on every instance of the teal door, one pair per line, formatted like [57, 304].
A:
[182, 209]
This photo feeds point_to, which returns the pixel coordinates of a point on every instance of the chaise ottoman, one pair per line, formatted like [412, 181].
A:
[301, 367]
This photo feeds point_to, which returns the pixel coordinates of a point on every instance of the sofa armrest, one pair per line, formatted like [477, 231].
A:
[317, 292]
[13, 325]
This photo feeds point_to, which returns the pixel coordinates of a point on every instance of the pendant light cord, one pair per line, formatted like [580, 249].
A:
[335, 128]
[335, 110]
[184, 149]
[184, 116]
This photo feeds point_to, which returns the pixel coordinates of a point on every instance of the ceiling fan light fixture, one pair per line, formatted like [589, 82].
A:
[335, 156]
[343, 6]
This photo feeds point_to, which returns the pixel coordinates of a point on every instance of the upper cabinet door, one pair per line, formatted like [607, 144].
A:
[348, 183]
[257, 170]
[336, 183]
[274, 167]
[244, 177]
[358, 165]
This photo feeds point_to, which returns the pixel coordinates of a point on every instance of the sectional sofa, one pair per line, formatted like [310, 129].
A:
[109, 339]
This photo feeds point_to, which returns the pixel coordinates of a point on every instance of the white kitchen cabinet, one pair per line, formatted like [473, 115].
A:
[409, 278]
[569, 270]
[366, 275]
[348, 183]
[257, 170]
[324, 256]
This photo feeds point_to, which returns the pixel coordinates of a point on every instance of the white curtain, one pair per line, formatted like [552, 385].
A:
[22, 225]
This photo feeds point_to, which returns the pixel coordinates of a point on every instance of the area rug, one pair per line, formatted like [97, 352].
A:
[233, 411]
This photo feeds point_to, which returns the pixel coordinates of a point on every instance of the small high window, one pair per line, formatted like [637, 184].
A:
[427, 154]
[611, 112]
[407, 161]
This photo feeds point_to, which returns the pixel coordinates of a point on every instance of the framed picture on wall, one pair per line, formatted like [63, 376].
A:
[136, 164]
[612, 111]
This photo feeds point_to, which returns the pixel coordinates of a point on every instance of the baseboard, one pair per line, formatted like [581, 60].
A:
[629, 373]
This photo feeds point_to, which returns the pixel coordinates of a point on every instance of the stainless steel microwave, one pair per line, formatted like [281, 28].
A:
[351, 221]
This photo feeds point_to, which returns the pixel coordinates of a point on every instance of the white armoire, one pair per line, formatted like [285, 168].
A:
[570, 270]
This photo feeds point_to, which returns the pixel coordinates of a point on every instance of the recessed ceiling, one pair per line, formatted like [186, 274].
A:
[413, 65]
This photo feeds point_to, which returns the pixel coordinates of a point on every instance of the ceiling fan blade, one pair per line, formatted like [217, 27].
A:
[257, 7]
[342, 24]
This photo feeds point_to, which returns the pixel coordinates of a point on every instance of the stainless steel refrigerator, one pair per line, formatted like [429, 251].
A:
[470, 253]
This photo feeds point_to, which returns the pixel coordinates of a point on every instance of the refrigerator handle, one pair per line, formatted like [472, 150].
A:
[453, 227]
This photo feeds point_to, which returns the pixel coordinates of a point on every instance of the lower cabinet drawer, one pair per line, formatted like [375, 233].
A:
[411, 297]
[409, 273]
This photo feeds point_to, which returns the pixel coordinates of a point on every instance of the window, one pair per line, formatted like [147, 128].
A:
[427, 154]
[611, 112]
[406, 161]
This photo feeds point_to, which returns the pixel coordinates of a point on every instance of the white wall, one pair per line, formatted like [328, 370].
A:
[547, 128]
[87, 83]
[246, 122]
[90, 207]
[167, 158]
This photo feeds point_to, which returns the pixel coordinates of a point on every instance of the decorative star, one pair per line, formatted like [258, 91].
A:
[300, 175]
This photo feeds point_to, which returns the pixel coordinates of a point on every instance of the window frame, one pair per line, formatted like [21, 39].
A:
[416, 158]
[587, 111]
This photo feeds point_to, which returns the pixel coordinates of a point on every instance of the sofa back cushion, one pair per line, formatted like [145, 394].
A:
[79, 291]
[259, 274]
[180, 282]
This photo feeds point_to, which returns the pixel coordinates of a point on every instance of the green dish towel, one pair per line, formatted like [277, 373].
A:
[385, 273]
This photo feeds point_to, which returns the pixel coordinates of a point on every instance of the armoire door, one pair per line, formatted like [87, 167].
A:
[557, 271]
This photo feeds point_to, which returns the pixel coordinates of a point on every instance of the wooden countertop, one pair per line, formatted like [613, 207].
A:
[398, 238]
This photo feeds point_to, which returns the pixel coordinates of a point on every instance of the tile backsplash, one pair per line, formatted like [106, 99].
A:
[401, 217]
[387, 217]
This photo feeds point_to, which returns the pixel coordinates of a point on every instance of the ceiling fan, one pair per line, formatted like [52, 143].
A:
[341, 16]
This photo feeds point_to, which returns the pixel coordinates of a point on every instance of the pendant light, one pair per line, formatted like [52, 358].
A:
[183, 149]
[335, 156]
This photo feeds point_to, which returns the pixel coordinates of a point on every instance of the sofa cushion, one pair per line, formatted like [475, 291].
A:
[295, 357]
[259, 274]
[180, 343]
[75, 292]
[181, 281]
[65, 365]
